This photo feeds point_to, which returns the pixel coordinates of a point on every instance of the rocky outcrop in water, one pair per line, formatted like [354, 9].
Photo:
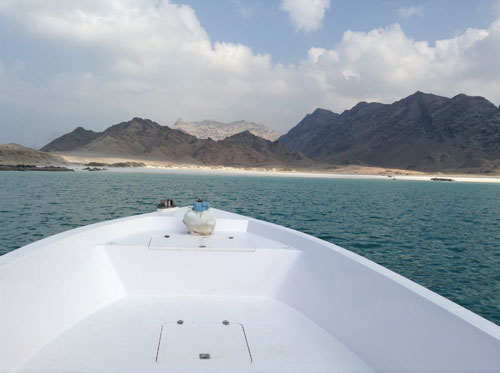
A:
[92, 169]
[25, 167]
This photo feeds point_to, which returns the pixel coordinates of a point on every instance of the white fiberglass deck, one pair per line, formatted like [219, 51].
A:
[125, 335]
[142, 294]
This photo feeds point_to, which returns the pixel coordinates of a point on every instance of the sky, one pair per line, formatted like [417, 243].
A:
[96, 63]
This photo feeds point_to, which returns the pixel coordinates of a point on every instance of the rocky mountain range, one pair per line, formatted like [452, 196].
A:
[145, 139]
[219, 130]
[420, 132]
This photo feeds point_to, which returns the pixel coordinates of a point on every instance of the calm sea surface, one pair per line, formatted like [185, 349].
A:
[445, 236]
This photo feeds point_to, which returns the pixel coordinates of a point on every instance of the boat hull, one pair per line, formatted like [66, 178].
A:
[103, 297]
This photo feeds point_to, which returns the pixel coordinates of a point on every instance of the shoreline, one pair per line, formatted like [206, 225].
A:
[340, 172]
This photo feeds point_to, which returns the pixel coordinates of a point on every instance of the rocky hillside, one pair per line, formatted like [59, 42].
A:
[219, 131]
[14, 154]
[420, 132]
[145, 139]
[246, 148]
[79, 137]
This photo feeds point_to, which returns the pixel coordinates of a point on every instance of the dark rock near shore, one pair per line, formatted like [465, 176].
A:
[94, 169]
[441, 179]
[127, 164]
[24, 167]
[118, 164]
[96, 164]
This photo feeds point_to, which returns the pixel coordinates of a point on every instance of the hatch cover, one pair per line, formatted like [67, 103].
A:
[228, 241]
[203, 343]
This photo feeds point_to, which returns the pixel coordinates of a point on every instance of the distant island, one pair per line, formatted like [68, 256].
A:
[420, 133]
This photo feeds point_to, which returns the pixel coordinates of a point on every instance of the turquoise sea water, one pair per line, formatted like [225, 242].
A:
[444, 236]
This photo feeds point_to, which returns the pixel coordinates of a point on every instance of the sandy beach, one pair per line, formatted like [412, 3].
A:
[351, 171]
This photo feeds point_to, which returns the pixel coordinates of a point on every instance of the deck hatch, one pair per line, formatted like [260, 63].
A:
[217, 242]
[203, 343]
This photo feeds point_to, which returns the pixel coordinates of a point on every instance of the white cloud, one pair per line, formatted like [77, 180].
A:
[143, 58]
[385, 64]
[411, 11]
[306, 15]
[154, 59]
